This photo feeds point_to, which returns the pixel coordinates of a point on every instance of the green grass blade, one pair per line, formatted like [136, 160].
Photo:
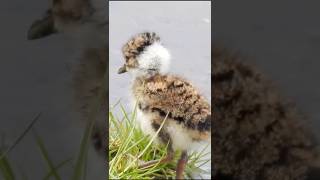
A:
[129, 145]
[46, 157]
[126, 116]
[148, 145]
[111, 107]
[50, 174]
[80, 165]
[6, 170]
[113, 121]
[82, 156]
[21, 136]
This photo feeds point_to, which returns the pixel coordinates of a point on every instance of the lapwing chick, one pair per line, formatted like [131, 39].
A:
[258, 134]
[85, 23]
[165, 98]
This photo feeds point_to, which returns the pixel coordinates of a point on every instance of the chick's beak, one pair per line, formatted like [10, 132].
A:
[122, 70]
[42, 28]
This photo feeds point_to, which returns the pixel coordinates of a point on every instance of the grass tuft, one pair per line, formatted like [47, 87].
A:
[128, 146]
[79, 169]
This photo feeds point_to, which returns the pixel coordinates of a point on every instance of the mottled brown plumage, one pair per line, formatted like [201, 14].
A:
[161, 96]
[256, 135]
[86, 22]
[135, 46]
[72, 16]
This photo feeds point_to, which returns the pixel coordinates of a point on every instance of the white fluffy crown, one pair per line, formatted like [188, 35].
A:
[155, 57]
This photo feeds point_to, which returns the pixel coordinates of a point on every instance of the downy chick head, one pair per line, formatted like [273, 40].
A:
[70, 16]
[145, 56]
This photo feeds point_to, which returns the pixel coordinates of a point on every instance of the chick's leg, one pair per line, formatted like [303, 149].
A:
[165, 138]
[181, 165]
[168, 158]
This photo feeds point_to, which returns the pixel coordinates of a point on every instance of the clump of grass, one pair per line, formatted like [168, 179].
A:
[128, 146]
[79, 162]
[6, 168]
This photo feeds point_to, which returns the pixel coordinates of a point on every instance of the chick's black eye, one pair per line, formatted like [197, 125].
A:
[139, 49]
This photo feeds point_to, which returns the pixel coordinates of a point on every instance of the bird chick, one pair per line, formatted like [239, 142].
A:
[257, 134]
[164, 97]
[85, 21]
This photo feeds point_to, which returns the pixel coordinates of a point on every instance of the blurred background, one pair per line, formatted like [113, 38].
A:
[35, 77]
[282, 38]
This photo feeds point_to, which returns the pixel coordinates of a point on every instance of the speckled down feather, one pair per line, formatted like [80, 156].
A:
[256, 135]
[86, 22]
[162, 94]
